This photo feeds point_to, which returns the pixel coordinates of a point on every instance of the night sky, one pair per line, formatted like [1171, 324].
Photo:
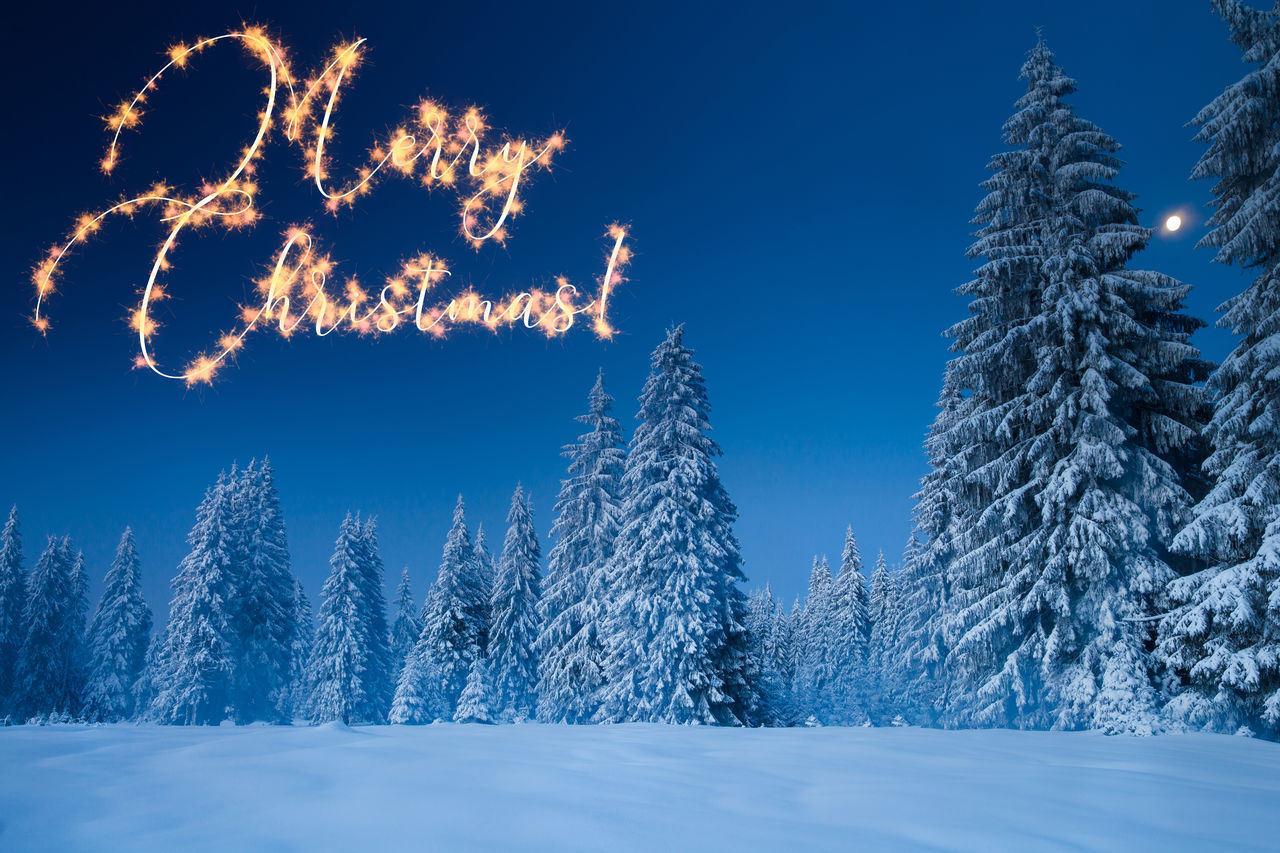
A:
[798, 180]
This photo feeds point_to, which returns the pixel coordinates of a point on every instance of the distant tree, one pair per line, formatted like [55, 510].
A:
[512, 657]
[263, 596]
[295, 700]
[571, 647]
[379, 671]
[850, 637]
[406, 627]
[13, 601]
[195, 686]
[815, 646]
[340, 685]
[486, 574]
[46, 679]
[476, 703]
[118, 638]
[450, 642]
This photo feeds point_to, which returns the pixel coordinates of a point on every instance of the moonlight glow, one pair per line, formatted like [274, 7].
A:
[1173, 223]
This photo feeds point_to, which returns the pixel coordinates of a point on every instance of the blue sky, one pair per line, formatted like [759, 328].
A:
[798, 187]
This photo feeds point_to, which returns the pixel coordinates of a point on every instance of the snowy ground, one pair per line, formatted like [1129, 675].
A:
[633, 787]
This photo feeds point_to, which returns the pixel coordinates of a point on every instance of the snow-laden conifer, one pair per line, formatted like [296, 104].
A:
[195, 685]
[46, 677]
[13, 600]
[677, 640]
[406, 626]
[476, 704]
[340, 686]
[1223, 634]
[118, 638]
[1073, 372]
[571, 647]
[512, 657]
[850, 632]
[295, 700]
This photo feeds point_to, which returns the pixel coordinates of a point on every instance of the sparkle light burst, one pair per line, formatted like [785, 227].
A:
[435, 147]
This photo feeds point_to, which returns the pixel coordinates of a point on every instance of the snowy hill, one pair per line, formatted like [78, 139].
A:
[628, 787]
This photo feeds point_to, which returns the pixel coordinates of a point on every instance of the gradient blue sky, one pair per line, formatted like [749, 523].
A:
[798, 179]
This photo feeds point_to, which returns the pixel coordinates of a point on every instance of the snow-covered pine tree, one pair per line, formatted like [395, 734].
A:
[851, 636]
[884, 631]
[339, 683]
[763, 627]
[486, 574]
[194, 686]
[78, 625]
[436, 671]
[118, 638]
[677, 640]
[915, 668]
[263, 597]
[1223, 635]
[295, 700]
[476, 704]
[46, 680]
[151, 678]
[512, 657]
[571, 647]
[13, 601]
[379, 674]
[1072, 368]
[406, 626]
[815, 670]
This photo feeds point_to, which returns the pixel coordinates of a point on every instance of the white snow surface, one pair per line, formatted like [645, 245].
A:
[629, 787]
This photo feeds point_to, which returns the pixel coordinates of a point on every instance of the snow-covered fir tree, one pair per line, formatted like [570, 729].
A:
[46, 676]
[195, 685]
[677, 640]
[78, 626]
[379, 671]
[764, 628]
[476, 704]
[295, 700]
[406, 626]
[850, 632]
[512, 657]
[436, 671]
[118, 638]
[571, 647]
[1073, 369]
[815, 646]
[147, 686]
[13, 601]
[1223, 634]
[263, 597]
[884, 631]
[486, 573]
[341, 690]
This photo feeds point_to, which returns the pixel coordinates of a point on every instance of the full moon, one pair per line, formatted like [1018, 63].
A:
[1173, 223]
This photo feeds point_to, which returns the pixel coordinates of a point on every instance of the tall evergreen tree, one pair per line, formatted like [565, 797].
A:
[815, 674]
[571, 647]
[263, 597]
[195, 686]
[378, 668]
[118, 638]
[677, 638]
[884, 631]
[851, 636]
[78, 625]
[406, 627]
[486, 574]
[1075, 369]
[13, 600]
[295, 701]
[436, 671]
[514, 631]
[46, 678]
[339, 676]
[1223, 635]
